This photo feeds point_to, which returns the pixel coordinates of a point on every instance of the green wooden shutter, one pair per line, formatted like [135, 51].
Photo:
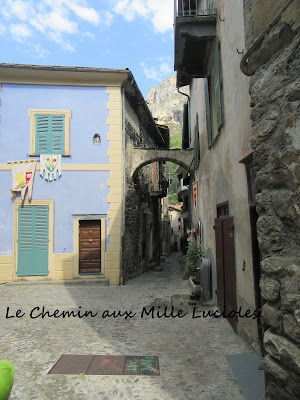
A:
[25, 240]
[196, 145]
[218, 85]
[41, 240]
[43, 139]
[208, 114]
[58, 134]
[50, 134]
[33, 222]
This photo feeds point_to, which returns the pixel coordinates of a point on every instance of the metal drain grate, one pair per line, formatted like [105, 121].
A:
[71, 364]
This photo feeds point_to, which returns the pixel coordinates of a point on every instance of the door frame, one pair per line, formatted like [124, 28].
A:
[222, 287]
[50, 204]
[87, 217]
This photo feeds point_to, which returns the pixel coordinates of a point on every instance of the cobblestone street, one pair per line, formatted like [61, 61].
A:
[191, 351]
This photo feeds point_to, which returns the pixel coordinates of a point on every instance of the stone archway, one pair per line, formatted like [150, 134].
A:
[142, 157]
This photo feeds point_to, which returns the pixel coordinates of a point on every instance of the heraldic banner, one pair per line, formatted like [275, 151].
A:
[22, 177]
[51, 165]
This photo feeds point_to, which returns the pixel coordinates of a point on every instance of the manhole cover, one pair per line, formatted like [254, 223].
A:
[71, 364]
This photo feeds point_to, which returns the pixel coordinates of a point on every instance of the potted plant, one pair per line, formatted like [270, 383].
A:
[192, 258]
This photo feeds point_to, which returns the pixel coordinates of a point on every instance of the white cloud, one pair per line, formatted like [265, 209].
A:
[157, 73]
[107, 18]
[58, 38]
[54, 19]
[89, 14]
[36, 50]
[159, 12]
[19, 32]
[89, 35]
[20, 10]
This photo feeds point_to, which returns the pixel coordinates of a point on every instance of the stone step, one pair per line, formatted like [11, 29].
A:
[79, 281]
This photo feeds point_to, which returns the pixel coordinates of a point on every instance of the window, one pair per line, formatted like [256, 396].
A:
[49, 132]
[214, 98]
[223, 209]
[196, 145]
[96, 139]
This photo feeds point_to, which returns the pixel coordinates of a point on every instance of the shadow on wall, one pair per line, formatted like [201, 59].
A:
[142, 228]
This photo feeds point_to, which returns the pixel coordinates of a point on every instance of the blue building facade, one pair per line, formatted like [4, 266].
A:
[72, 122]
[71, 226]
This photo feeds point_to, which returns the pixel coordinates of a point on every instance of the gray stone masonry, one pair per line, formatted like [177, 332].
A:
[138, 201]
[274, 66]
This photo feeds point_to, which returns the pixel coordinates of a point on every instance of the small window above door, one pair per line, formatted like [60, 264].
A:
[223, 209]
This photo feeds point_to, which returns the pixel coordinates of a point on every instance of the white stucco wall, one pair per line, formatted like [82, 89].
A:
[220, 175]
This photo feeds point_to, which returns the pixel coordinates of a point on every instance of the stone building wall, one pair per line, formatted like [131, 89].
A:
[138, 201]
[275, 101]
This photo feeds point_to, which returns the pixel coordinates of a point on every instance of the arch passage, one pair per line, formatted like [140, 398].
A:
[142, 157]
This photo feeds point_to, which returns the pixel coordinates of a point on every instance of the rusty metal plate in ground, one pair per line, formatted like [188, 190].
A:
[71, 364]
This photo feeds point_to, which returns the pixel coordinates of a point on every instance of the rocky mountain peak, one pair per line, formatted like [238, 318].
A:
[165, 103]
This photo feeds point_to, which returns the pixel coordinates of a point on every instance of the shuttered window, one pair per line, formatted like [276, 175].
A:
[208, 114]
[49, 131]
[50, 134]
[196, 145]
[33, 222]
[214, 98]
[218, 85]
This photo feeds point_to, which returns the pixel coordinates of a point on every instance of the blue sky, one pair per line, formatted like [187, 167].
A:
[134, 34]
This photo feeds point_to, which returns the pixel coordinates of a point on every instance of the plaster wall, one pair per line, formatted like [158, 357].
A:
[89, 115]
[91, 176]
[174, 215]
[220, 176]
[68, 198]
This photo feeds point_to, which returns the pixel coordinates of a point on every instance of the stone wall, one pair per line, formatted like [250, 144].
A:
[275, 101]
[138, 201]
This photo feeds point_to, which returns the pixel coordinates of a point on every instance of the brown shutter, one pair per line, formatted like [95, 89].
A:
[230, 273]
[219, 263]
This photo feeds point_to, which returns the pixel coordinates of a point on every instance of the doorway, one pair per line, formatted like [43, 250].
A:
[225, 261]
[89, 246]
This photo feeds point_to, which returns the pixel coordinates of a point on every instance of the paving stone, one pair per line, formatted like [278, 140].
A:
[191, 351]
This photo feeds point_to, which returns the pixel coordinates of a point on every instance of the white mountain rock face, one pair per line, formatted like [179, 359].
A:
[165, 103]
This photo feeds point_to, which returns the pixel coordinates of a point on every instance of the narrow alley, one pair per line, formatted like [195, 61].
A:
[192, 351]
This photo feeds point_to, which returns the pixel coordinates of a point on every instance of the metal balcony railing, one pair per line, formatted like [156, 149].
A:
[183, 8]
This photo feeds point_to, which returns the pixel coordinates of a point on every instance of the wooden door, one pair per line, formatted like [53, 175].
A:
[33, 232]
[226, 274]
[90, 246]
[219, 262]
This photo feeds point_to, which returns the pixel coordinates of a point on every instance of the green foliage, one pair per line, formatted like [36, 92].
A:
[192, 256]
[175, 143]
[175, 136]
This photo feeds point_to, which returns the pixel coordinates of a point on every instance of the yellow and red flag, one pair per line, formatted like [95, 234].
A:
[22, 178]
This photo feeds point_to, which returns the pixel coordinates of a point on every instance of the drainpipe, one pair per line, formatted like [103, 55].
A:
[189, 101]
[124, 180]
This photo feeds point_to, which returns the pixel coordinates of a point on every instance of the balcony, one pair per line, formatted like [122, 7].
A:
[180, 188]
[195, 33]
[163, 188]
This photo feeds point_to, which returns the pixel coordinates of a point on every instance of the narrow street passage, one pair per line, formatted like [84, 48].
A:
[149, 316]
